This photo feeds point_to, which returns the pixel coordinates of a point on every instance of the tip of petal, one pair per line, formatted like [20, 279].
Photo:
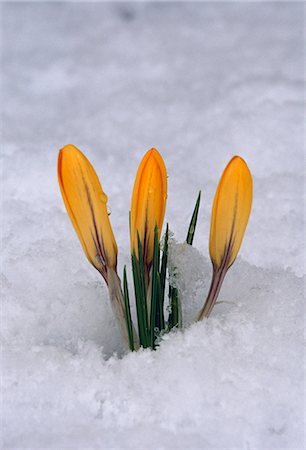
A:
[153, 150]
[69, 147]
[236, 160]
[153, 153]
[70, 150]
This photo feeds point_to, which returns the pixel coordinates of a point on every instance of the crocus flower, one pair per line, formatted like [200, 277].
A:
[148, 204]
[230, 214]
[85, 202]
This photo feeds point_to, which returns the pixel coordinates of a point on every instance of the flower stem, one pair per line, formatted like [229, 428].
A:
[215, 286]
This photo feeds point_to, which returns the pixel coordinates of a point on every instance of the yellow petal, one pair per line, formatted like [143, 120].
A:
[86, 202]
[148, 203]
[230, 213]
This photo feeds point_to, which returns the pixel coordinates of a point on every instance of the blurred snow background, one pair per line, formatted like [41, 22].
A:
[200, 82]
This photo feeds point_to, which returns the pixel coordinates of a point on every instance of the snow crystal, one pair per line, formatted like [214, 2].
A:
[200, 82]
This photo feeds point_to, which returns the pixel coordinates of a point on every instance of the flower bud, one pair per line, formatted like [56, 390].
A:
[86, 202]
[230, 213]
[148, 204]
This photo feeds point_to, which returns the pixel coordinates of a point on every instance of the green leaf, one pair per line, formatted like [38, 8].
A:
[128, 310]
[175, 316]
[143, 286]
[193, 222]
[155, 308]
[163, 272]
[142, 319]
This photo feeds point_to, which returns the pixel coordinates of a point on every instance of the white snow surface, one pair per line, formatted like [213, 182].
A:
[201, 82]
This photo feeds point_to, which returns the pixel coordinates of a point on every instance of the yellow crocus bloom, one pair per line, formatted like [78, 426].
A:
[85, 202]
[230, 214]
[148, 204]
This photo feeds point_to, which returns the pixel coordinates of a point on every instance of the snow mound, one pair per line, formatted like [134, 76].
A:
[231, 372]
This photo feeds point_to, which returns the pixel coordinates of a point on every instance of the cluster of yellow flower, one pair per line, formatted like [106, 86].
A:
[86, 204]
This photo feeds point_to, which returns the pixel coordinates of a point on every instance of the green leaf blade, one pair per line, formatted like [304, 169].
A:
[163, 273]
[128, 317]
[155, 308]
[193, 222]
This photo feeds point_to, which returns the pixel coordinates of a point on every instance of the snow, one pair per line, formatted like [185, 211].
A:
[200, 82]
